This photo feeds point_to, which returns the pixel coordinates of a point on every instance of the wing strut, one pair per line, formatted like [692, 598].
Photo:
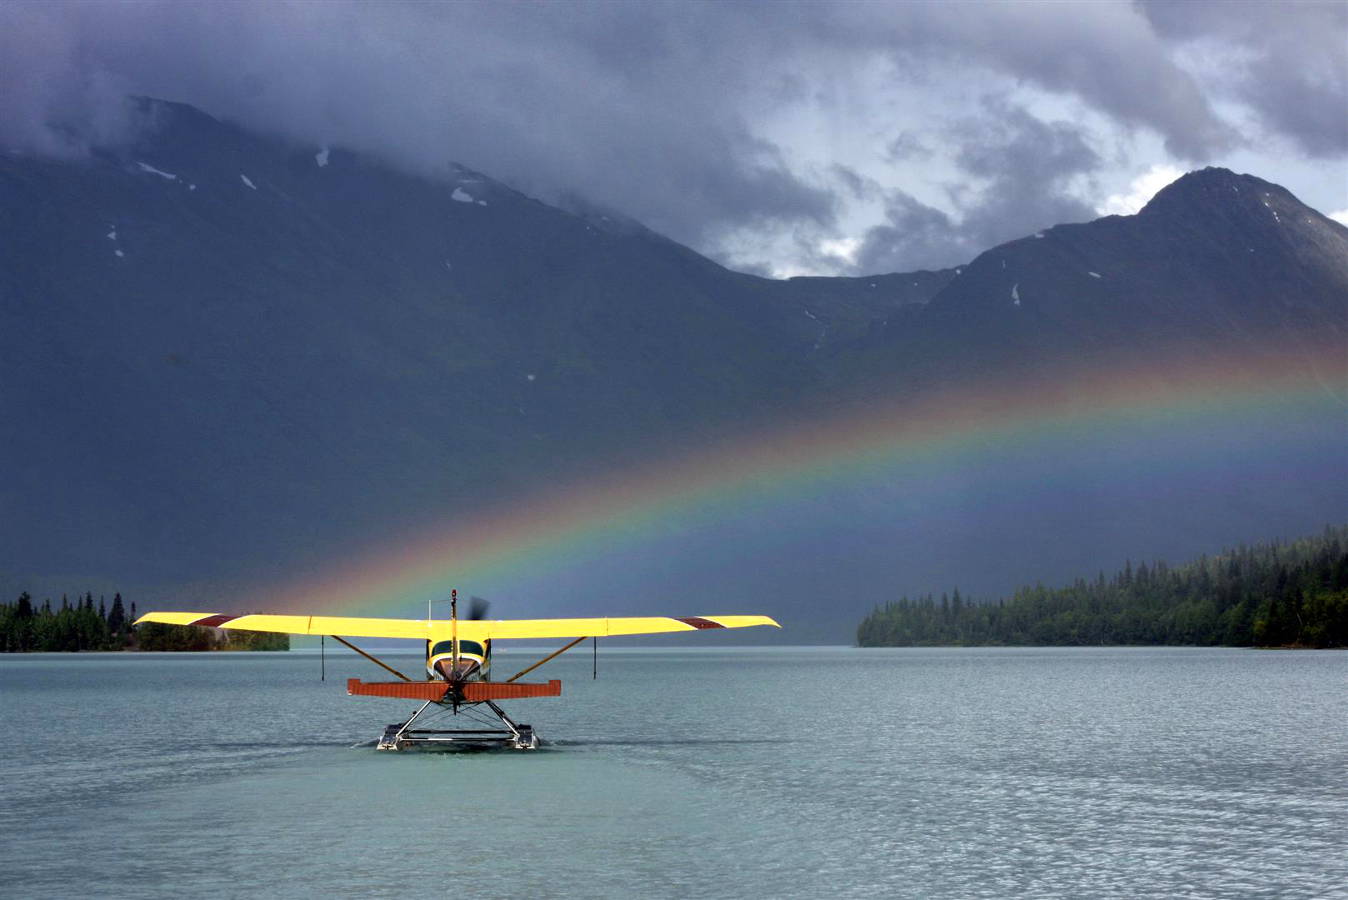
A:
[377, 662]
[549, 657]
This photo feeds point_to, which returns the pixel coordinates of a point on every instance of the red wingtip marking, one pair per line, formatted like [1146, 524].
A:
[699, 622]
[214, 621]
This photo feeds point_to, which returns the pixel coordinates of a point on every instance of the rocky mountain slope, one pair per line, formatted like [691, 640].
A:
[1214, 263]
[227, 355]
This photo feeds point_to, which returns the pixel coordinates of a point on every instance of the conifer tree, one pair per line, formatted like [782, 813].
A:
[117, 617]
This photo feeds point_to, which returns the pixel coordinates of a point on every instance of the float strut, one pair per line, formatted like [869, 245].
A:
[550, 656]
[383, 665]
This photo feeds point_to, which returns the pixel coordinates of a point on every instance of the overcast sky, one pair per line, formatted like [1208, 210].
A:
[782, 138]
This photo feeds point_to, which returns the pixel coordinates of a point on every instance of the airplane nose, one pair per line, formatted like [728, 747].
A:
[466, 669]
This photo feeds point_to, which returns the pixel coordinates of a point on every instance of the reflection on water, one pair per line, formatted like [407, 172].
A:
[920, 773]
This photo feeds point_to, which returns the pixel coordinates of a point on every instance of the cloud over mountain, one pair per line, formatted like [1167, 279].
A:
[723, 125]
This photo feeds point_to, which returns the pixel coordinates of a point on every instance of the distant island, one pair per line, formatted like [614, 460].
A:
[77, 627]
[1269, 595]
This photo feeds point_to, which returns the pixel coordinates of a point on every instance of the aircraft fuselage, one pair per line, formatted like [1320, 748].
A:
[474, 660]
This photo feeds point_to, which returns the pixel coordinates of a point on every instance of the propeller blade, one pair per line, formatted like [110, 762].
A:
[477, 608]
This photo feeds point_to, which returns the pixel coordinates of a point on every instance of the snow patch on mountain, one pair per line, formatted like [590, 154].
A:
[146, 167]
[461, 195]
[321, 157]
[248, 181]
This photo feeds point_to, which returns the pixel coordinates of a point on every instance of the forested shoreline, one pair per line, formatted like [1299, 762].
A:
[80, 627]
[1270, 595]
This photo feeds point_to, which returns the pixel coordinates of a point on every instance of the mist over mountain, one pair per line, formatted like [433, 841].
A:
[229, 359]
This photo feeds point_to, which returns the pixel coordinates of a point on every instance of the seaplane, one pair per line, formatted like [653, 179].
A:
[458, 679]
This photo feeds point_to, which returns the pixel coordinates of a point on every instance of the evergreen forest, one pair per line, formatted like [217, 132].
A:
[1270, 595]
[28, 628]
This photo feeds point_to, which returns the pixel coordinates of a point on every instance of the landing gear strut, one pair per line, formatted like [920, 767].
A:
[402, 736]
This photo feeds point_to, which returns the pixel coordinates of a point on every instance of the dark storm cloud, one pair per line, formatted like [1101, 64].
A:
[1026, 166]
[657, 109]
[1295, 71]
[632, 109]
[1099, 52]
[914, 236]
[907, 146]
[857, 185]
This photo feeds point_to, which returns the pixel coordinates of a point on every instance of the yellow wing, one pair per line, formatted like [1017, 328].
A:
[572, 628]
[421, 629]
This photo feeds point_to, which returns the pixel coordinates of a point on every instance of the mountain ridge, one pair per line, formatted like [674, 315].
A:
[234, 356]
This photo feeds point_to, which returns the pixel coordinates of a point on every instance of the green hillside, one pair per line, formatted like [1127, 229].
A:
[70, 628]
[1278, 595]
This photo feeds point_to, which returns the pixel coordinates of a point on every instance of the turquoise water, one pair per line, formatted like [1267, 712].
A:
[705, 773]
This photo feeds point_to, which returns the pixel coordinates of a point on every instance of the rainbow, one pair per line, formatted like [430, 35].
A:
[587, 520]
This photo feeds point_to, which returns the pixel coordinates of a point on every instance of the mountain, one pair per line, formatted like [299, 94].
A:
[230, 358]
[213, 330]
[1215, 262]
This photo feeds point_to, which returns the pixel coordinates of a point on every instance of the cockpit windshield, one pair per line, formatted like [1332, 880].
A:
[465, 647]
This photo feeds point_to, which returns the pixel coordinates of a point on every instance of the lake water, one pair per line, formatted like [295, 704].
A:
[701, 773]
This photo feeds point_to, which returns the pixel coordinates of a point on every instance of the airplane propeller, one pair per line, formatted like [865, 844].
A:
[477, 608]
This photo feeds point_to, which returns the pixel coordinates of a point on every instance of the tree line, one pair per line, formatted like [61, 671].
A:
[28, 628]
[1269, 595]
